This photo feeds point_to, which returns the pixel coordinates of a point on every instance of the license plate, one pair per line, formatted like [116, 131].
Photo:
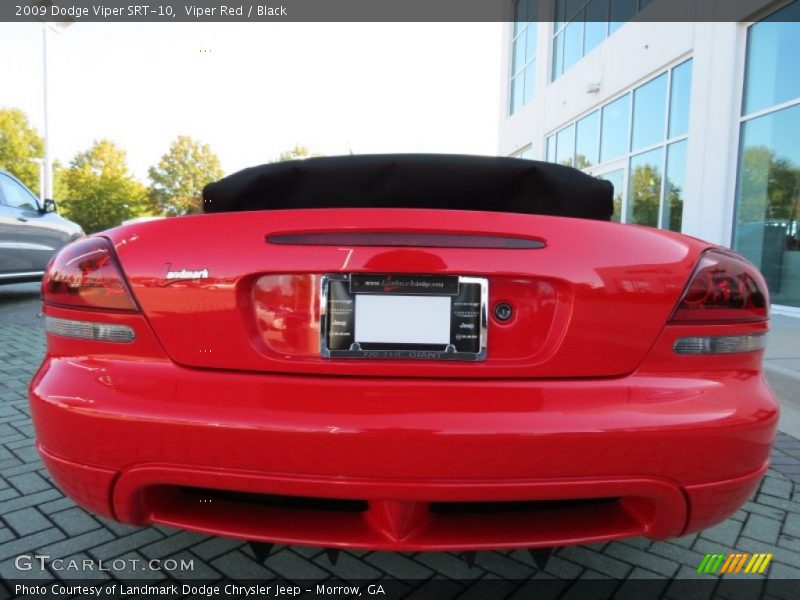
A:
[403, 316]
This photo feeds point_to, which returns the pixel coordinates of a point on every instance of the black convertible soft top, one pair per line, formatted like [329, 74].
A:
[414, 181]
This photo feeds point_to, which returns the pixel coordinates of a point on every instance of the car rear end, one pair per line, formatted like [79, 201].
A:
[404, 378]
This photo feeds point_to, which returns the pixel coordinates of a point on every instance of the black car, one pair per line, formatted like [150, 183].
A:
[29, 233]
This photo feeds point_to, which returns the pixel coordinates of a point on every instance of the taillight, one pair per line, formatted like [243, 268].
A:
[85, 274]
[723, 288]
[287, 311]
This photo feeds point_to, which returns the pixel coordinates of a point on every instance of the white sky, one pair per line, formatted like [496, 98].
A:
[253, 90]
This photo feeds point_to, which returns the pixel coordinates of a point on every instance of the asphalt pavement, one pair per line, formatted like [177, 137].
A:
[19, 304]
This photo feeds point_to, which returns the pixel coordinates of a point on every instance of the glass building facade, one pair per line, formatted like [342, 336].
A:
[624, 116]
[768, 181]
[638, 142]
[582, 25]
[523, 54]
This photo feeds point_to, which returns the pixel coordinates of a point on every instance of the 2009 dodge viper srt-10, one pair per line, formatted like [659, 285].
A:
[405, 352]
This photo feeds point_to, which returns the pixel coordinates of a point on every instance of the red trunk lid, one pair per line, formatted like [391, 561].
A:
[588, 301]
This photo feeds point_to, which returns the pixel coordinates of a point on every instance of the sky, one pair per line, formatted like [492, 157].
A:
[253, 90]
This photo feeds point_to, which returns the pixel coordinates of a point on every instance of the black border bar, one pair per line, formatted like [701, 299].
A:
[588, 588]
[231, 11]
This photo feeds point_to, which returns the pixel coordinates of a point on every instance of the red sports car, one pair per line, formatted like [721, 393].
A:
[405, 353]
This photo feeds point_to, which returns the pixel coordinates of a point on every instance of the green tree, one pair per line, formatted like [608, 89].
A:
[59, 190]
[674, 204]
[581, 162]
[297, 152]
[19, 144]
[769, 187]
[99, 191]
[179, 177]
[645, 195]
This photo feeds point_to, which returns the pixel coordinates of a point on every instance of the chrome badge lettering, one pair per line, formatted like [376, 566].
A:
[186, 274]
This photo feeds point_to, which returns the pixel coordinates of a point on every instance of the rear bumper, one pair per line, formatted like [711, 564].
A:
[578, 461]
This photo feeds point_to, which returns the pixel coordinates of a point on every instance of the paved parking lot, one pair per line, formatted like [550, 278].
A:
[36, 518]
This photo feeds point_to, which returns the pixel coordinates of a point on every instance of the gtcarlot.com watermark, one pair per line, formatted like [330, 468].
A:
[44, 562]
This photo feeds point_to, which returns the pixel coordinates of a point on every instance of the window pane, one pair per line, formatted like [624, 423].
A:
[596, 23]
[526, 152]
[551, 149]
[533, 9]
[587, 141]
[561, 10]
[649, 104]
[672, 211]
[768, 199]
[573, 43]
[516, 94]
[518, 59]
[643, 3]
[614, 142]
[521, 11]
[530, 82]
[530, 41]
[595, 34]
[558, 56]
[616, 178]
[773, 50]
[565, 146]
[572, 7]
[680, 93]
[15, 195]
[622, 11]
[644, 190]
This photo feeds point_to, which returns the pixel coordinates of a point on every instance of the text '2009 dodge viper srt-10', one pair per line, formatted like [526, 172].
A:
[405, 353]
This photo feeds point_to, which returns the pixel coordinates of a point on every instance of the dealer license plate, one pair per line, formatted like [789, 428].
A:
[403, 316]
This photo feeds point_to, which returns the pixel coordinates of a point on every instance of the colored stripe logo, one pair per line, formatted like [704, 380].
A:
[736, 562]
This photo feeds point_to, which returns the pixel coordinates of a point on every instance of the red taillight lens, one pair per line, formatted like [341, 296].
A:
[288, 312]
[723, 288]
[85, 274]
